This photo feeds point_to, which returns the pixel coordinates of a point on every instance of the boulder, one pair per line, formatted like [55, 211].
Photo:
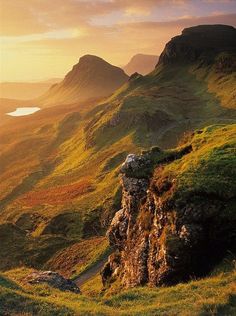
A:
[53, 279]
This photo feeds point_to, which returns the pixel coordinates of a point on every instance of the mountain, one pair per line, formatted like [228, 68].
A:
[91, 78]
[191, 86]
[200, 43]
[59, 167]
[25, 90]
[141, 63]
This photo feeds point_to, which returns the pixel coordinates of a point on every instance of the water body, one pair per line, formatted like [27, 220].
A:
[24, 111]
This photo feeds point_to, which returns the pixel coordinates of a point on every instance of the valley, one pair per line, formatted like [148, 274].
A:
[155, 226]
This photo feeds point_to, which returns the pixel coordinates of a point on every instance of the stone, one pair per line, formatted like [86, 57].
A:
[53, 279]
[160, 238]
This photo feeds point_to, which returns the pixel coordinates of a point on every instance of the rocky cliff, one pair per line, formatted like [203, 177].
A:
[176, 221]
[199, 43]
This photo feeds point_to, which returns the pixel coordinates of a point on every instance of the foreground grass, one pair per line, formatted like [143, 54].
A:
[215, 295]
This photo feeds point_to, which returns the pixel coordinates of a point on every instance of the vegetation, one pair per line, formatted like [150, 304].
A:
[60, 186]
[74, 172]
[214, 295]
[211, 166]
[79, 257]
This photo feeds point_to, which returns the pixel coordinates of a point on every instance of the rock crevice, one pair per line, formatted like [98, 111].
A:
[157, 237]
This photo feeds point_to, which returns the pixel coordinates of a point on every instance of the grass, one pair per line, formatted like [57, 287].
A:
[78, 258]
[211, 166]
[214, 295]
[66, 160]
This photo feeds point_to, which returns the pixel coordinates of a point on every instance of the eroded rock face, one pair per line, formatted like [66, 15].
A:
[159, 238]
[199, 42]
[53, 279]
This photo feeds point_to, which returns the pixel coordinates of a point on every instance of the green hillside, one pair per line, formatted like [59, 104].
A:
[213, 149]
[214, 295]
[59, 167]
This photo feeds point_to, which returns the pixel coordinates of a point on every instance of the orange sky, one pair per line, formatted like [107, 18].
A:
[42, 39]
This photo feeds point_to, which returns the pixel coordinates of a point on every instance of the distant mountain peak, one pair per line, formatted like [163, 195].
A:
[92, 77]
[141, 63]
[89, 57]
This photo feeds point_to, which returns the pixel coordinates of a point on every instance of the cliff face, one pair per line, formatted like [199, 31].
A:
[167, 232]
[202, 43]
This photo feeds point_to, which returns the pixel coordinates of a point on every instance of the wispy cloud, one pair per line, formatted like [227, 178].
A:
[49, 36]
[52, 35]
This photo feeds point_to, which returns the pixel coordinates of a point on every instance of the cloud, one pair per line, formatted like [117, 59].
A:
[48, 37]
[118, 41]
[135, 11]
[20, 17]
[218, 1]
[57, 35]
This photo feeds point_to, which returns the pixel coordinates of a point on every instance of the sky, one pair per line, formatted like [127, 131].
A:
[42, 39]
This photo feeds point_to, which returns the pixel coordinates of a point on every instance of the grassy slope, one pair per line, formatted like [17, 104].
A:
[214, 295]
[211, 166]
[65, 160]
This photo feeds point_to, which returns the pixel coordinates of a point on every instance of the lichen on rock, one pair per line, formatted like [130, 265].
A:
[53, 279]
[162, 234]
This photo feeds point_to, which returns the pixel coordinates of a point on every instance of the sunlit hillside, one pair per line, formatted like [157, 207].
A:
[120, 189]
[59, 167]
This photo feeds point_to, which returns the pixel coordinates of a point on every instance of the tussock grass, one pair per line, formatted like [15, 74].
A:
[214, 295]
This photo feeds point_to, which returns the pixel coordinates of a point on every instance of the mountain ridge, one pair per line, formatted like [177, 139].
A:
[141, 63]
[203, 41]
[92, 77]
[76, 199]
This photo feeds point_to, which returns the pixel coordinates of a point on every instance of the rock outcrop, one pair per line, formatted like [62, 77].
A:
[199, 43]
[161, 235]
[53, 279]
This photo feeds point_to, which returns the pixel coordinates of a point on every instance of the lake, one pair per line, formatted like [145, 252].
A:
[24, 111]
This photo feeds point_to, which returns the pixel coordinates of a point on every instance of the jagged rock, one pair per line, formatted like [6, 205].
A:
[134, 163]
[158, 236]
[53, 279]
[199, 42]
[111, 268]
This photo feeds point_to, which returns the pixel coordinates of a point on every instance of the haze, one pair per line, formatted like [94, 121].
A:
[43, 39]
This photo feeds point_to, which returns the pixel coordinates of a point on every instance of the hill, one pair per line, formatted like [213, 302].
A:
[59, 167]
[194, 171]
[91, 78]
[141, 63]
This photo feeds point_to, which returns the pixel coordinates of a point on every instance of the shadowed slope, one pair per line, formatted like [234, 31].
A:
[91, 78]
[85, 143]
